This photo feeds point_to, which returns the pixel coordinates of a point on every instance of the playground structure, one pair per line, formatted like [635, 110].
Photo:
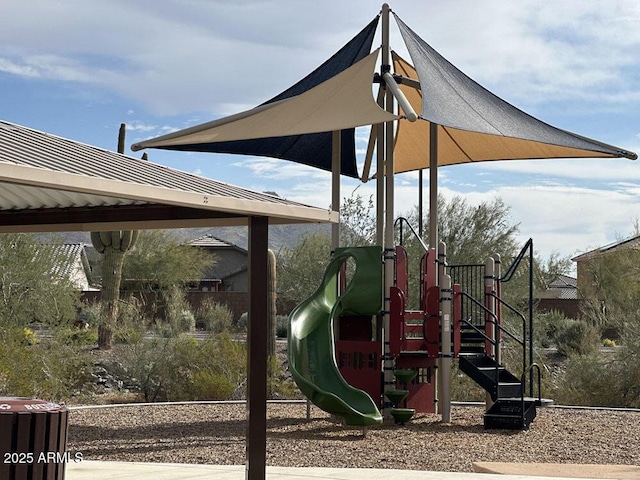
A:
[341, 369]
[426, 115]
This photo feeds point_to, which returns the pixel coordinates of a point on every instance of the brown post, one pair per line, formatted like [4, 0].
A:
[256, 454]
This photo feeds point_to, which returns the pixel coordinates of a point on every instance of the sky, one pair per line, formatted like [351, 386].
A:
[79, 68]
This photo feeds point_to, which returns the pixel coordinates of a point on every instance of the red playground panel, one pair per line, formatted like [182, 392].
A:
[360, 363]
[422, 387]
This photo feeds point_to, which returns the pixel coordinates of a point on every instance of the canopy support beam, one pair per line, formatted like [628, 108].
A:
[257, 338]
[389, 246]
[336, 155]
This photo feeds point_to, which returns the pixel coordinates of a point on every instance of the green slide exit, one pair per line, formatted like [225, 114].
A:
[311, 346]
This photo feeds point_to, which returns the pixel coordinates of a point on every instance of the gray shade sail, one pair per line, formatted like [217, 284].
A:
[475, 124]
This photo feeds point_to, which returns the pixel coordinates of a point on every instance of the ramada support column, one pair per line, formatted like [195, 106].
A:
[256, 441]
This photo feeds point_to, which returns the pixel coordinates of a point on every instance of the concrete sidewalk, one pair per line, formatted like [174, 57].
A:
[90, 470]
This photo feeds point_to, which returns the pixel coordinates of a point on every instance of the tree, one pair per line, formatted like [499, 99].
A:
[612, 299]
[159, 261]
[473, 233]
[300, 269]
[32, 288]
[357, 222]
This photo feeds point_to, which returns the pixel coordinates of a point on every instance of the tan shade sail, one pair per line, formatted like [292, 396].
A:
[342, 102]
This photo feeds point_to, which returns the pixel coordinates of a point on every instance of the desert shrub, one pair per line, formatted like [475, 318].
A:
[179, 318]
[220, 356]
[132, 323]
[576, 337]
[282, 323]
[182, 368]
[210, 385]
[66, 370]
[241, 324]
[69, 335]
[50, 369]
[214, 317]
[546, 326]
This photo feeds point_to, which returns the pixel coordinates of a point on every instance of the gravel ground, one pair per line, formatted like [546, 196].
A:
[215, 434]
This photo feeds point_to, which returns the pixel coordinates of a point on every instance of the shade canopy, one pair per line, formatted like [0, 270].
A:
[474, 125]
[296, 125]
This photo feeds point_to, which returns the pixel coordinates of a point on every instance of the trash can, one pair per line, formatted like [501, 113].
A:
[33, 439]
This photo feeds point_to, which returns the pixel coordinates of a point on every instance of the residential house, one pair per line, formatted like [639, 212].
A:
[229, 272]
[75, 266]
[583, 261]
[560, 295]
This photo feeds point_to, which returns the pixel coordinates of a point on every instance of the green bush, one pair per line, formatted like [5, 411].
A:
[76, 336]
[576, 337]
[546, 325]
[51, 369]
[181, 368]
[240, 325]
[132, 322]
[214, 317]
[282, 324]
[179, 317]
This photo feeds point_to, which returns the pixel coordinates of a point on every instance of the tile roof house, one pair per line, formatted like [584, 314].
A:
[583, 261]
[230, 271]
[560, 295]
[75, 266]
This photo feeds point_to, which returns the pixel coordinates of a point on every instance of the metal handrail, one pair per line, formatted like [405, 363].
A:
[401, 220]
[522, 380]
[523, 342]
[528, 247]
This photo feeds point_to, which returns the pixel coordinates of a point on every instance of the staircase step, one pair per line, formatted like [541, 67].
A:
[471, 336]
[508, 414]
[479, 349]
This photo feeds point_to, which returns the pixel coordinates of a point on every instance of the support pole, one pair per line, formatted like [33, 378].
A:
[336, 155]
[257, 337]
[490, 304]
[420, 203]
[389, 247]
[446, 302]
[433, 186]
[380, 202]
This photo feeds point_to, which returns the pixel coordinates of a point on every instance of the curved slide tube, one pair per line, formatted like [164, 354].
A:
[311, 346]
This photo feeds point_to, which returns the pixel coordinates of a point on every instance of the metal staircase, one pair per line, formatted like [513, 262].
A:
[511, 409]
[481, 332]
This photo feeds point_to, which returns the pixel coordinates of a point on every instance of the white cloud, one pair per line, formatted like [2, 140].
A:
[178, 57]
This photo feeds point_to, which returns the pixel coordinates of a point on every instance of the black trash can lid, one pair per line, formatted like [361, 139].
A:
[19, 404]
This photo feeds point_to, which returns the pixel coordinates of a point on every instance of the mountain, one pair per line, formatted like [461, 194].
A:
[279, 235]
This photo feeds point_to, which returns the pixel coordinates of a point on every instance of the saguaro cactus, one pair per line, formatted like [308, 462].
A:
[271, 307]
[112, 246]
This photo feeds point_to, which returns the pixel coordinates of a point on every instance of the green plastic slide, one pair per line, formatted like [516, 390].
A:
[311, 350]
